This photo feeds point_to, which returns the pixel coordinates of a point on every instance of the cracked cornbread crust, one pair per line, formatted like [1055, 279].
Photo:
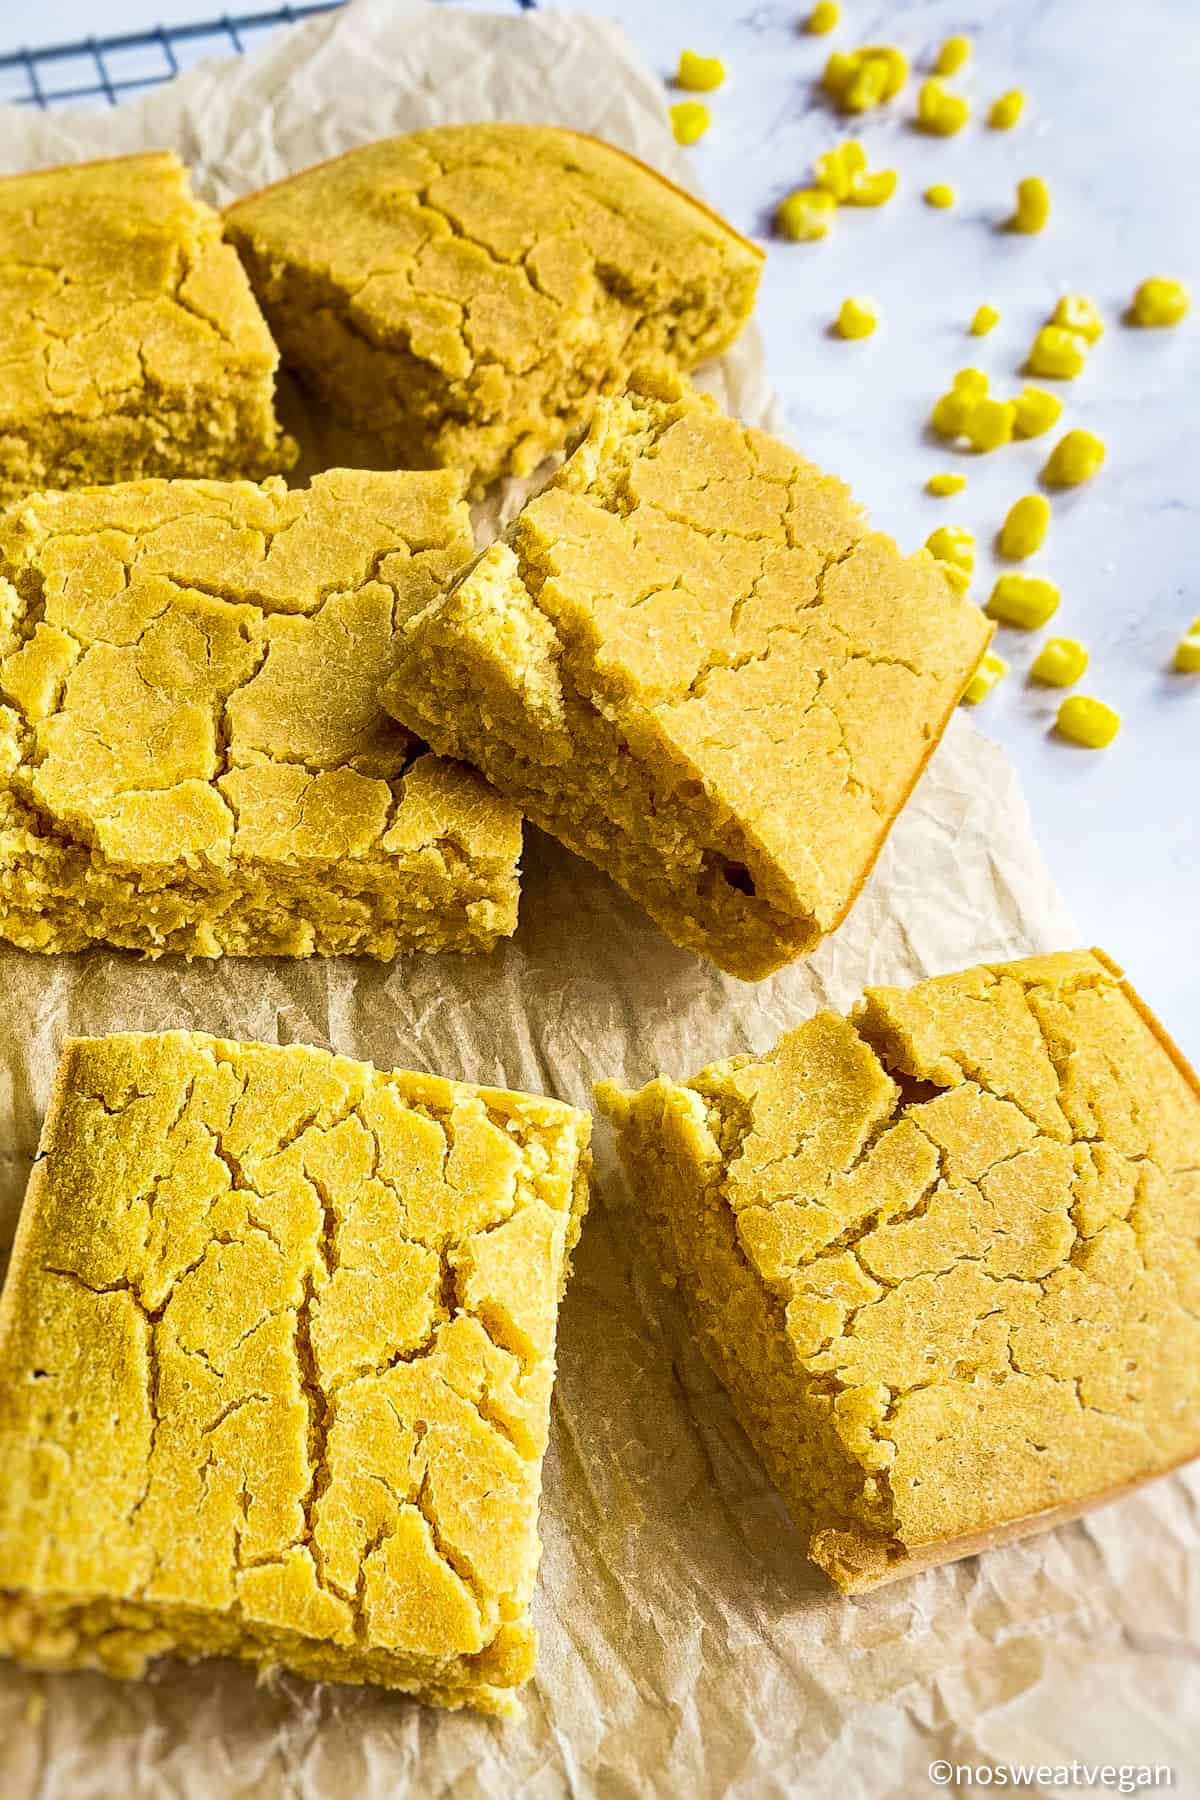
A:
[193, 757]
[945, 1255]
[691, 662]
[465, 293]
[130, 342]
[276, 1354]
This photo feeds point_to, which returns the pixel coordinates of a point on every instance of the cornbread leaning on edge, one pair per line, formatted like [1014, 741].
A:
[193, 757]
[130, 342]
[465, 293]
[945, 1255]
[276, 1354]
[691, 662]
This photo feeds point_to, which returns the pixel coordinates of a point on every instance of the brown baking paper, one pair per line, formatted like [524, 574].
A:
[687, 1648]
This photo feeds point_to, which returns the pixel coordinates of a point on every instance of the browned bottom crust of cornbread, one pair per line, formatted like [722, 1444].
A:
[945, 1255]
[276, 1356]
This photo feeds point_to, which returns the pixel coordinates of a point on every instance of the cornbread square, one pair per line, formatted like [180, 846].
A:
[130, 342]
[691, 662]
[945, 1255]
[193, 756]
[465, 293]
[276, 1354]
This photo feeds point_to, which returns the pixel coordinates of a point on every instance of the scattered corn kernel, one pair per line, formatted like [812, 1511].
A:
[1033, 205]
[1025, 528]
[1088, 722]
[1187, 650]
[1060, 662]
[873, 189]
[990, 423]
[953, 54]
[823, 17]
[1075, 312]
[952, 544]
[861, 79]
[953, 409]
[700, 74]
[940, 111]
[857, 317]
[991, 669]
[1037, 411]
[1057, 352]
[944, 485]
[836, 169]
[986, 319]
[805, 215]
[940, 195]
[1005, 112]
[690, 119]
[1074, 459]
[1024, 600]
[1160, 301]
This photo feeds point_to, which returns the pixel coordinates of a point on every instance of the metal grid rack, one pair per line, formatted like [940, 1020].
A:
[102, 71]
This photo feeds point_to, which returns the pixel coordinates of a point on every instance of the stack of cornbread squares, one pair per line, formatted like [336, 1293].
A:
[277, 1338]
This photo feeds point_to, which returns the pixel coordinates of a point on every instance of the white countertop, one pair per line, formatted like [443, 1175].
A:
[1112, 124]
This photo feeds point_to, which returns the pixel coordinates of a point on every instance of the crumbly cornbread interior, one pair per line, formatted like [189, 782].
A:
[192, 753]
[691, 662]
[130, 342]
[944, 1255]
[276, 1353]
[466, 292]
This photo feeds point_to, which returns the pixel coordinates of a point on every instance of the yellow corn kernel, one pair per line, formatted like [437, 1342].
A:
[1088, 722]
[1074, 459]
[836, 169]
[1033, 205]
[952, 410]
[991, 669]
[873, 189]
[690, 119]
[939, 111]
[1025, 528]
[867, 86]
[861, 79]
[700, 74]
[1060, 662]
[805, 215]
[823, 17]
[1005, 112]
[1075, 312]
[943, 485]
[1024, 600]
[1160, 301]
[1037, 411]
[989, 423]
[952, 544]
[1057, 352]
[1187, 650]
[940, 195]
[857, 317]
[953, 54]
[986, 319]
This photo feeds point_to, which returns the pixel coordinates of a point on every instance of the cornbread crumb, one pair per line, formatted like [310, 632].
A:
[276, 1356]
[942, 1255]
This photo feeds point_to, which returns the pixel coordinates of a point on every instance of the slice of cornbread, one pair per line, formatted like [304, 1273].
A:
[691, 662]
[276, 1353]
[192, 754]
[130, 342]
[945, 1255]
[466, 292]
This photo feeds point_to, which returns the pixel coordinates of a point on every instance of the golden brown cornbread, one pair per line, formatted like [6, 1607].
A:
[465, 293]
[276, 1353]
[945, 1255]
[192, 754]
[691, 662]
[130, 342]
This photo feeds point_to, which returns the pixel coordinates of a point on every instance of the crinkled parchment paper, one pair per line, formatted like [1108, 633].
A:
[687, 1648]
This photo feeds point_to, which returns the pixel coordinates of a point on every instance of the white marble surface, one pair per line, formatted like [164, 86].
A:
[1113, 125]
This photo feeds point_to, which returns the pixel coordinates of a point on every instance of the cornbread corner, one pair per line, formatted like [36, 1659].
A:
[276, 1354]
[691, 662]
[465, 293]
[193, 757]
[130, 341]
[944, 1255]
